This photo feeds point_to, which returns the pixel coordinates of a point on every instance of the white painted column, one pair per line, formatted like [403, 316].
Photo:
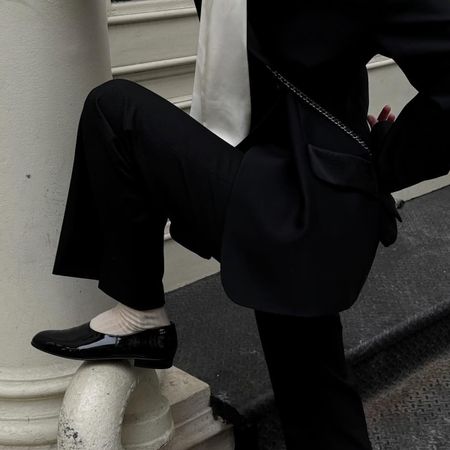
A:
[53, 53]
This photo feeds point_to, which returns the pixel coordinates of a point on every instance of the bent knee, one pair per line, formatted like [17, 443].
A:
[114, 92]
[115, 87]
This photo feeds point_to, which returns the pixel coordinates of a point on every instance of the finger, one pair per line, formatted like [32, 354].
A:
[384, 114]
[372, 120]
[391, 118]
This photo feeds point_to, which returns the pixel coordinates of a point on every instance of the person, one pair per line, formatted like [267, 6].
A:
[139, 160]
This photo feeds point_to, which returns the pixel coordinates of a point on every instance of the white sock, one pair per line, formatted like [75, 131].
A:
[122, 320]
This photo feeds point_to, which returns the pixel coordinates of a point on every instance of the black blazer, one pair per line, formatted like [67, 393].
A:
[323, 47]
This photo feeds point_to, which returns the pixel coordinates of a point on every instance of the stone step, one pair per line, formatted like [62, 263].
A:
[195, 425]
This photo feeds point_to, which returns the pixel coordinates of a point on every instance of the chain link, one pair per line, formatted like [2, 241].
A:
[320, 109]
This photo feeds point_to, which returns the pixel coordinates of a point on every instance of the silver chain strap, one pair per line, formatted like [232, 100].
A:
[319, 108]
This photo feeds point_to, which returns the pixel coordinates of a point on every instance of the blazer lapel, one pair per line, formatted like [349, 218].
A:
[198, 6]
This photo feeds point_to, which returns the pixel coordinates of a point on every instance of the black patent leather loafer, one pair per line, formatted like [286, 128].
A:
[153, 348]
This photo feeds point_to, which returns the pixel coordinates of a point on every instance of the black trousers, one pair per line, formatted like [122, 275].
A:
[140, 160]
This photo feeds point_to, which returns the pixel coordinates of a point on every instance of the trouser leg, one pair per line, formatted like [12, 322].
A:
[139, 160]
[318, 404]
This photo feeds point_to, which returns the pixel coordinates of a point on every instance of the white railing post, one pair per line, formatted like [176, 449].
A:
[111, 405]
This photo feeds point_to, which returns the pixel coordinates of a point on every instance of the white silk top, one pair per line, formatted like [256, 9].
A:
[221, 94]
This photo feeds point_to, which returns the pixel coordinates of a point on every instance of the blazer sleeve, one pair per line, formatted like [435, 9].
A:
[416, 34]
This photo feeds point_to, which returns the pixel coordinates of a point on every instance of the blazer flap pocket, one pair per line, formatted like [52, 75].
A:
[343, 169]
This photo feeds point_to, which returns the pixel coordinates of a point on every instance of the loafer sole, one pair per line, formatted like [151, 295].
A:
[147, 363]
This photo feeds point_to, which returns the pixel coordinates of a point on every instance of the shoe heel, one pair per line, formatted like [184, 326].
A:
[153, 364]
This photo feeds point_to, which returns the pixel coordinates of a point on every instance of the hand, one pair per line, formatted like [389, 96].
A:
[385, 115]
